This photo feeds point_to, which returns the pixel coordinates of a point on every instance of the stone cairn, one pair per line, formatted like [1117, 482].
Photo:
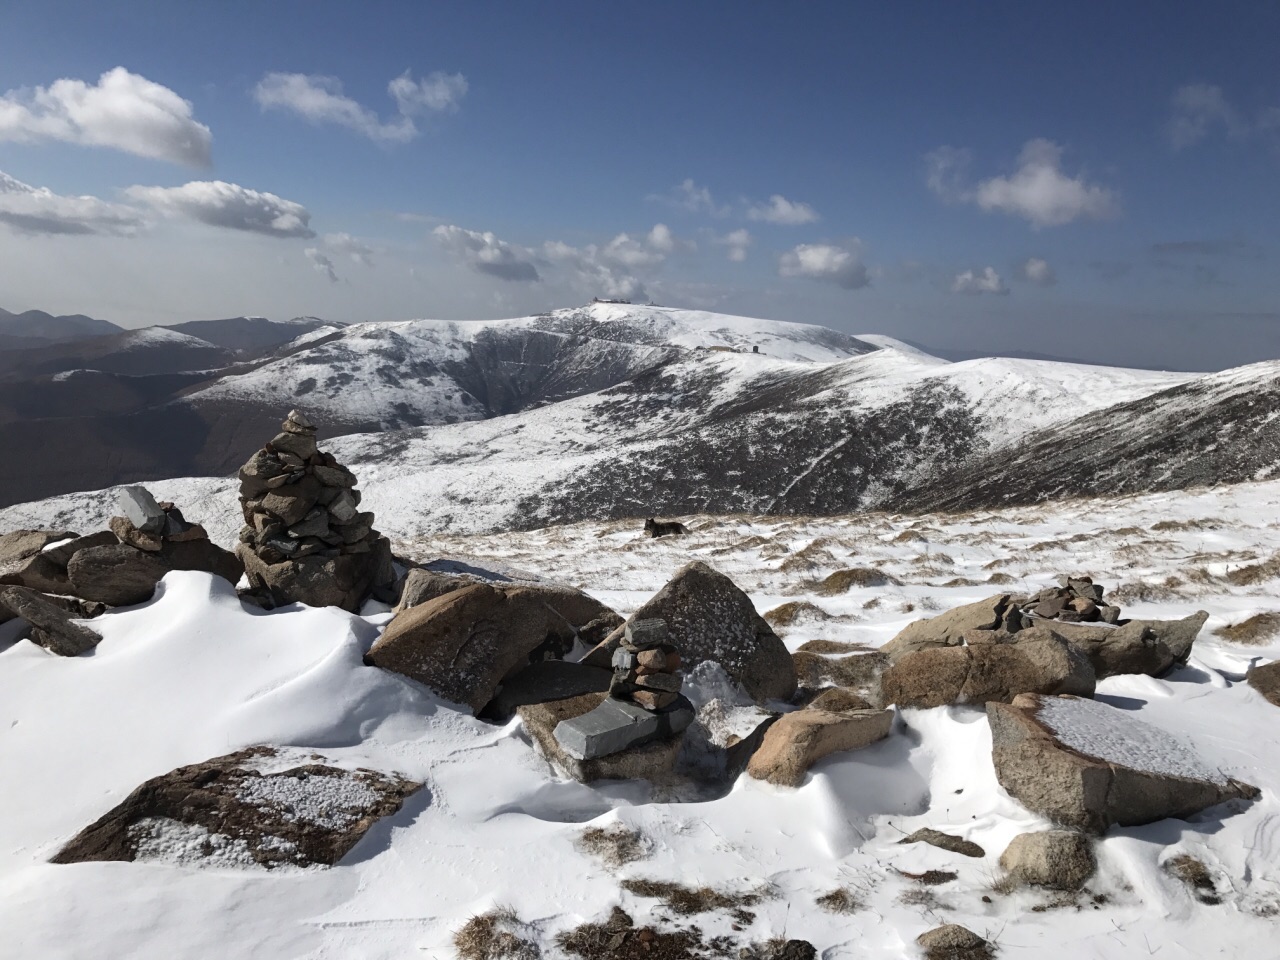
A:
[644, 666]
[644, 703]
[1077, 600]
[148, 525]
[305, 538]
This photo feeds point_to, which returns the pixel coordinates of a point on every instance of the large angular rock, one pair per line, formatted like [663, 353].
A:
[1266, 680]
[52, 625]
[1058, 859]
[654, 761]
[1153, 647]
[948, 629]
[939, 676]
[121, 575]
[799, 740]
[141, 509]
[617, 725]
[24, 562]
[465, 643]
[710, 618]
[226, 812]
[1086, 765]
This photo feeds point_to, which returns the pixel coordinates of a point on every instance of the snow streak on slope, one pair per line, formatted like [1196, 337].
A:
[212, 676]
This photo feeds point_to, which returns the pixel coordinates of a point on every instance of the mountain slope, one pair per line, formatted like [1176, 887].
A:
[1220, 428]
[35, 328]
[250, 336]
[143, 352]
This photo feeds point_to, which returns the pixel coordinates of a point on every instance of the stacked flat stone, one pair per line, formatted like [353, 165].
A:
[1077, 600]
[305, 538]
[644, 666]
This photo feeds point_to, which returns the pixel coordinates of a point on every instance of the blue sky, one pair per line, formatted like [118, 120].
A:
[1088, 180]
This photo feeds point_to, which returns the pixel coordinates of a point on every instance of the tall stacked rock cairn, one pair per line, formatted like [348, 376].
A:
[305, 538]
[644, 702]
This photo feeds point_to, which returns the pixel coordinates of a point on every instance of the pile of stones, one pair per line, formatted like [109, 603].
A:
[1077, 600]
[644, 704]
[305, 538]
[644, 666]
[148, 525]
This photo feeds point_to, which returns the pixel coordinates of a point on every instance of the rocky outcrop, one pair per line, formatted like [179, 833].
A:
[653, 760]
[27, 558]
[464, 643]
[53, 625]
[1266, 680]
[1086, 765]
[305, 539]
[712, 619]
[1058, 859]
[799, 740]
[226, 812]
[939, 676]
[1153, 647]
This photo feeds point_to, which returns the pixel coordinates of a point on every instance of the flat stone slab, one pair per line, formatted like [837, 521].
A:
[141, 509]
[1086, 765]
[257, 807]
[616, 725]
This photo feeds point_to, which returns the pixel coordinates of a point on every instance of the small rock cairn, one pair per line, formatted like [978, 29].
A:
[644, 666]
[1077, 600]
[305, 538]
[148, 525]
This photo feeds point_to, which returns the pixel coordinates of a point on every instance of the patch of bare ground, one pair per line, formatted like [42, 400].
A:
[809, 558]
[997, 563]
[619, 939]
[842, 581]
[1204, 523]
[831, 646]
[1137, 591]
[1001, 579]
[1192, 872]
[962, 582]
[1256, 630]
[788, 614]
[685, 901]
[860, 671]
[496, 935]
[614, 845]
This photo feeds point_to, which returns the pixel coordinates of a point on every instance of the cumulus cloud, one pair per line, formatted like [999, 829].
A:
[1038, 191]
[779, 210]
[123, 111]
[348, 246]
[321, 100]
[322, 263]
[986, 281]
[841, 265]
[485, 253]
[594, 269]
[38, 210]
[1197, 109]
[736, 243]
[1037, 271]
[229, 205]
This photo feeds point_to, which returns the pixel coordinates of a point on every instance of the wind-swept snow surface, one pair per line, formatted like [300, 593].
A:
[193, 674]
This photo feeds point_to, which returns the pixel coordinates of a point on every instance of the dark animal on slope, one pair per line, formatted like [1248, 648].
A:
[658, 528]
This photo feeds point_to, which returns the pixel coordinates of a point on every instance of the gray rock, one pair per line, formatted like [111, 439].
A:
[655, 761]
[310, 813]
[1152, 647]
[300, 445]
[948, 629]
[297, 422]
[799, 740]
[709, 618]
[1059, 859]
[334, 476]
[141, 509]
[314, 524]
[945, 841]
[343, 507]
[121, 575]
[1124, 771]
[344, 581]
[53, 627]
[126, 532]
[26, 560]
[954, 942]
[643, 634]
[940, 676]
[617, 725]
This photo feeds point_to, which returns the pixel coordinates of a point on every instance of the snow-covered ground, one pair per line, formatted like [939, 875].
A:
[193, 674]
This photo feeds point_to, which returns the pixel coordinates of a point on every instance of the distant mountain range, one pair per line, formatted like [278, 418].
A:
[615, 410]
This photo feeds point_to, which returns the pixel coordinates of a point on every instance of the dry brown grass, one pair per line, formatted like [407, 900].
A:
[1256, 630]
[614, 845]
[688, 900]
[931, 878]
[1001, 579]
[842, 581]
[1139, 592]
[494, 936]
[840, 900]
[860, 672]
[619, 939]
[922, 897]
[1205, 523]
[1195, 875]
[788, 614]
[1254, 573]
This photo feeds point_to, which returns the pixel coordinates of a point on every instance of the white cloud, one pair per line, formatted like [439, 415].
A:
[321, 100]
[485, 253]
[38, 210]
[842, 266]
[690, 197]
[661, 239]
[1200, 108]
[229, 205]
[1038, 271]
[322, 263]
[986, 281]
[596, 271]
[736, 243]
[348, 246]
[779, 210]
[122, 111]
[1038, 191]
